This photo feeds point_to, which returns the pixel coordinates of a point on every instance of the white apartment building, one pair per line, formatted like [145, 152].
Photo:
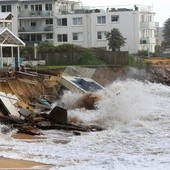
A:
[67, 21]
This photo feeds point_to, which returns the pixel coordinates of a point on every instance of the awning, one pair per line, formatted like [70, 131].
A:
[8, 39]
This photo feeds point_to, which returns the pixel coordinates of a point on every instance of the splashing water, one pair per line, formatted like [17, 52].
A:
[136, 116]
[121, 102]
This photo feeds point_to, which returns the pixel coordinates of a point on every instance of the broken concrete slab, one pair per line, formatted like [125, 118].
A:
[7, 105]
[58, 115]
[80, 84]
[86, 72]
[24, 112]
[13, 98]
[79, 71]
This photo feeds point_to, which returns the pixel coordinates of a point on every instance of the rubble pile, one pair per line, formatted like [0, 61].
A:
[28, 102]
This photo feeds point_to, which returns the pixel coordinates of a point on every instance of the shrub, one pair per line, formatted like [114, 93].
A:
[46, 48]
[137, 62]
[88, 58]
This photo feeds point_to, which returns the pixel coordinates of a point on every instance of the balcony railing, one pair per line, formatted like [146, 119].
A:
[39, 42]
[147, 40]
[147, 25]
[36, 28]
[29, 14]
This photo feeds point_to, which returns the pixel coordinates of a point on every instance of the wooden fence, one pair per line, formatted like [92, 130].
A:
[108, 57]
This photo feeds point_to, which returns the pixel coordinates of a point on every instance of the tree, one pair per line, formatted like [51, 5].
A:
[27, 52]
[45, 48]
[166, 33]
[115, 39]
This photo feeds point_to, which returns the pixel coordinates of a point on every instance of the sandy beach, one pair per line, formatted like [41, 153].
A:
[7, 163]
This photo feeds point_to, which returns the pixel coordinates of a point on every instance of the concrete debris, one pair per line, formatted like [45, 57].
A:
[7, 105]
[32, 120]
[58, 115]
[24, 112]
[79, 71]
[36, 112]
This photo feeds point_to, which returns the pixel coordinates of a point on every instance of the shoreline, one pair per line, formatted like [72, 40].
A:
[9, 163]
[19, 164]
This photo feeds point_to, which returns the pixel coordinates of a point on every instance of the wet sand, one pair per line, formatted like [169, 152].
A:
[7, 163]
[11, 164]
[26, 136]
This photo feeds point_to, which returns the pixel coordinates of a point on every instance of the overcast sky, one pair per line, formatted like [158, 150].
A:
[161, 7]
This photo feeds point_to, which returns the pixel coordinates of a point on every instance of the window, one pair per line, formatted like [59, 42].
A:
[48, 7]
[101, 35]
[77, 36]
[36, 7]
[62, 22]
[39, 37]
[101, 19]
[114, 18]
[62, 37]
[6, 8]
[32, 7]
[143, 42]
[49, 36]
[35, 37]
[49, 21]
[33, 24]
[142, 18]
[26, 6]
[77, 21]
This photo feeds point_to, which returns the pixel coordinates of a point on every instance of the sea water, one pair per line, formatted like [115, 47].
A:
[136, 119]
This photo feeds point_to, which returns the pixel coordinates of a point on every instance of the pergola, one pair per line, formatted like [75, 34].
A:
[8, 39]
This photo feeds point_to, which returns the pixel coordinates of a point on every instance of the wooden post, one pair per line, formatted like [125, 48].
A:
[1, 56]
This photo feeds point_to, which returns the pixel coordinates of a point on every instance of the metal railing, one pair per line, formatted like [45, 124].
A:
[45, 28]
[30, 14]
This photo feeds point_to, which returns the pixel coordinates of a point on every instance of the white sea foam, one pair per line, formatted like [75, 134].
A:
[136, 116]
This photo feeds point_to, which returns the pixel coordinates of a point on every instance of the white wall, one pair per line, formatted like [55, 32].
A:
[129, 25]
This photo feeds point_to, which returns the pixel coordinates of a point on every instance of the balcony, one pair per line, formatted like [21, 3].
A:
[147, 25]
[29, 43]
[147, 40]
[35, 14]
[46, 28]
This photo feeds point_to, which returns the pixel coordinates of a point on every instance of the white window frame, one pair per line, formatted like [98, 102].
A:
[25, 6]
[33, 24]
[60, 22]
[49, 36]
[36, 7]
[78, 21]
[101, 34]
[62, 37]
[101, 20]
[6, 8]
[48, 7]
[77, 36]
[49, 21]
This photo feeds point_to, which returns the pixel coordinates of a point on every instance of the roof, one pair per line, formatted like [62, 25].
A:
[8, 39]
[5, 16]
